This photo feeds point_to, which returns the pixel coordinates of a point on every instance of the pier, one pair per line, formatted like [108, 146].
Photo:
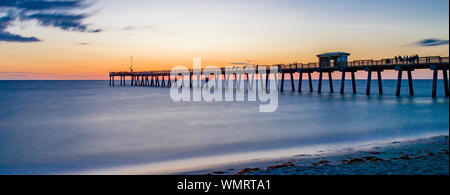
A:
[328, 64]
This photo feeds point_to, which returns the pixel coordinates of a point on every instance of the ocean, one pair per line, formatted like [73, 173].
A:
[84, 127]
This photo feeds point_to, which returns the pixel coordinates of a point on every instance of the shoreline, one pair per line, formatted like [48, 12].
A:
[421, 156]
[335, 159]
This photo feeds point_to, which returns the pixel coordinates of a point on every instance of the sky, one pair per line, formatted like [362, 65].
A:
[85, 39]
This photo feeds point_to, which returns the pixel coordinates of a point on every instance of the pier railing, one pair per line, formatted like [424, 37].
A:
[400, 64]
[370, 62]
[316, 65]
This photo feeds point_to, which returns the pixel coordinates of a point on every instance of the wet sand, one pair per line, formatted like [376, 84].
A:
[429, 156]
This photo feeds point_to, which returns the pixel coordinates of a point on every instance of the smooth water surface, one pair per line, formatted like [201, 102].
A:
[51, 127]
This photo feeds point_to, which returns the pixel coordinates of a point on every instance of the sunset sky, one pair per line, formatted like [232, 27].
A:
[86, 39]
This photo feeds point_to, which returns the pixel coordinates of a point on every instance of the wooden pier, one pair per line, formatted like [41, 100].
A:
[435, 64]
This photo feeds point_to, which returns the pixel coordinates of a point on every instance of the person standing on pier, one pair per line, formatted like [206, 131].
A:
[400, 59]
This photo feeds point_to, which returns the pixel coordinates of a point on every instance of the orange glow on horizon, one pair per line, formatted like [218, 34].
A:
[163, 34]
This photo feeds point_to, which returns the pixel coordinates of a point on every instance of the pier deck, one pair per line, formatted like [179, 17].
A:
[163, 78]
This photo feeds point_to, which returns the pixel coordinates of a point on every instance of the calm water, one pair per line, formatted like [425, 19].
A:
[70, 126]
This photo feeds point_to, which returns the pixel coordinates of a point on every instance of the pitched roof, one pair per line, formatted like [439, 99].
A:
[333, 54]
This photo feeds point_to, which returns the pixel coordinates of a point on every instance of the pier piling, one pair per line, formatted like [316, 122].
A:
[343, 82]
[163, 82]
[380, 86]
[369, 81]
[300, 80]
[292, 81]
[190, 79]
[435, 75]
[330, 80]
[410, 83]
[319, 89]
[445, 77]
[157, 80]
[353, 82]
[311, 89]
[433, 63]
[399, 82]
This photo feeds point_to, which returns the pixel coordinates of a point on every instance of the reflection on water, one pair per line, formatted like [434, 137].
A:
[70, 126]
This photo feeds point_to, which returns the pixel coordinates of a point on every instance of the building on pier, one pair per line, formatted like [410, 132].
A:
[333, 59]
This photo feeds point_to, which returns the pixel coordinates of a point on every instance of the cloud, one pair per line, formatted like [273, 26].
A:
[48, 5]
[39, 5]
[241, 64]
[16, 72]
[17, 75]
[24, 74]
[62, 21]
[83, 43]
[10, 37]
[130, 28]
[6, 3]
[431, 42]
[248, 63]
[127, 28]
[49, 13]
[96, 31]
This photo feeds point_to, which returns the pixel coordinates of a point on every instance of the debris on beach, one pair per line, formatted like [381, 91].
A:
[402, 158]
[322, 162]
[247, 170]
[373, 159]
[353, 161]
[286, 164]
[405, 157]
[219, 172]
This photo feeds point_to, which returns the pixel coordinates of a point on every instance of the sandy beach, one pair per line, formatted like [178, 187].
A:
[427, 156]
